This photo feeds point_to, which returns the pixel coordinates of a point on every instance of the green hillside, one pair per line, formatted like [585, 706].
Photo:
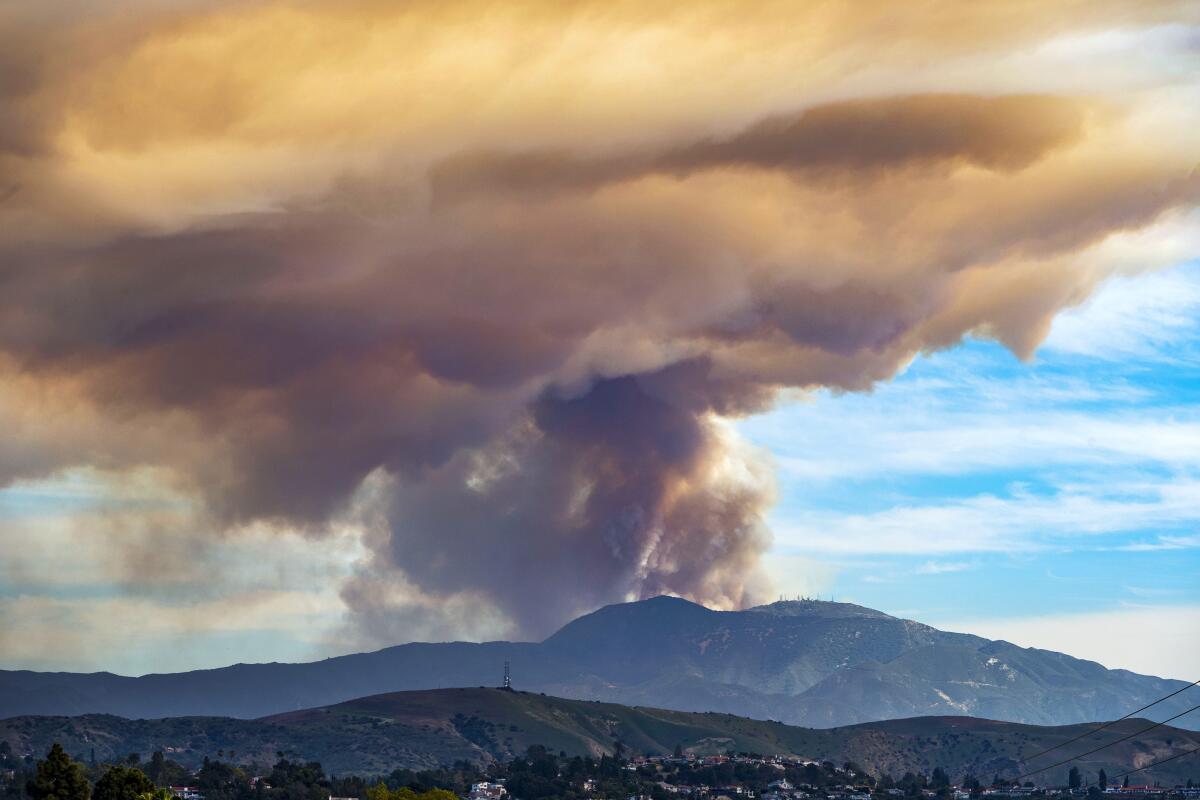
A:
[423, 729]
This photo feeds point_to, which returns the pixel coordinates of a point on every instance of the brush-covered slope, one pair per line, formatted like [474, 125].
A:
[422, 729]
[811, 663]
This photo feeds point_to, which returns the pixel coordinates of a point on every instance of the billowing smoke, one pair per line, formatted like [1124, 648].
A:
[318, 262]
[621, 491]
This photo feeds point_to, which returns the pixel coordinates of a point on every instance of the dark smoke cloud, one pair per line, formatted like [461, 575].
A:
[834, 140]
[615, 492]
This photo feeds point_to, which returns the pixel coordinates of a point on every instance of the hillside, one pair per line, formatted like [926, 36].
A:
[423, 729]
[811, 663]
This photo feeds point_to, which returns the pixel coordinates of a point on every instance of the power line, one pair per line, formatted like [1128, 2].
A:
[1086, 734]
[1156, 763]
[1110, 744]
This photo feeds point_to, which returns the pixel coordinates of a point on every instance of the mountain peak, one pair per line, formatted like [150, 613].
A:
[818, 608]
[661, 600]
[612, 622]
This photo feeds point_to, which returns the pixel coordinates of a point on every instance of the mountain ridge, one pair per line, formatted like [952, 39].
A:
[376, 734]
[804, 662]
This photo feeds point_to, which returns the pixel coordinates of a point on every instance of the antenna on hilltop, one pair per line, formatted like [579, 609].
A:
[507, 677]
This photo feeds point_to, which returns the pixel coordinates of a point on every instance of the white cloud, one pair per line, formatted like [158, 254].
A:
[943, 567]
[915, 436]
[987, 523]
[1158, 592]
[1144, 317]
[1157, 640]
[1164, 543]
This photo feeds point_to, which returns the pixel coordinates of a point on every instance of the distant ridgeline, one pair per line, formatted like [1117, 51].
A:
[432, 729]
[802, 662]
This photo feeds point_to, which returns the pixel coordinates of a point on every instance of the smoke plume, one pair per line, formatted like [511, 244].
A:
[490, 279]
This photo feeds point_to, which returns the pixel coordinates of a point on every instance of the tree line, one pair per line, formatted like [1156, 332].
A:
[539, 774]
[60, 777]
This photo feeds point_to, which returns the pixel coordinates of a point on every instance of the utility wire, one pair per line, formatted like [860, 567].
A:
[1110, 744]
[1156, 763]
[1086, 734]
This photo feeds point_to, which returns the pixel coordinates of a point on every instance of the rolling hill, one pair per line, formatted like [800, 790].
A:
[427, 728]
[811, 663]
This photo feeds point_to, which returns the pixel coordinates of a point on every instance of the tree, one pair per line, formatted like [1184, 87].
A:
[380, 791]
[219, 781]
[1103, 781]
[1125, 785]
[157, 766]
[122, 783]
[59, 778]
[1073, 779]
[298, 781]
[165, 772]
[157, 794]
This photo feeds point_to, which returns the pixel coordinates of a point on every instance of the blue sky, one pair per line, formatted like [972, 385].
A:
[1044, 501]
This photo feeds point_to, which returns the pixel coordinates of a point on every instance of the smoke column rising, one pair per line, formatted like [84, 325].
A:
[489, 279]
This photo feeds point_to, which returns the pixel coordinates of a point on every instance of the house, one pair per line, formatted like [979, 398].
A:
[186, 793]
[485, 790]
